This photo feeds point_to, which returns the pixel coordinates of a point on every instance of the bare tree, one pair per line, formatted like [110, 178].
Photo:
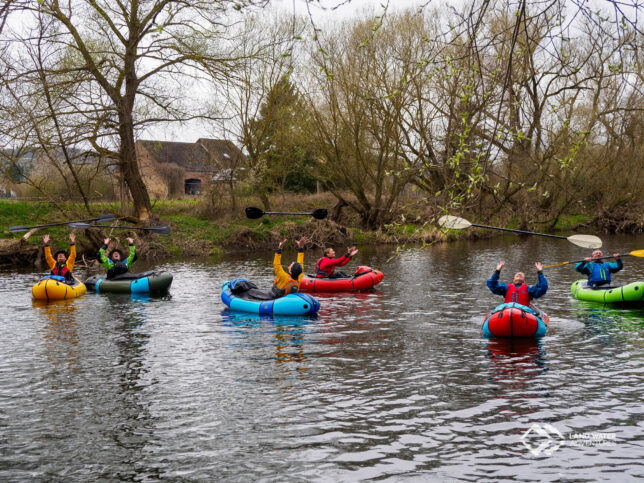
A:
[267, 46]
[134, 60]
[363, 99]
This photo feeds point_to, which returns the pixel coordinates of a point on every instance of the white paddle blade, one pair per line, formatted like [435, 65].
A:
[586, 241]
[453, 222]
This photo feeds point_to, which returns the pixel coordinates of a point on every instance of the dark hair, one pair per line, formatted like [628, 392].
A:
[116, 250]
[59, 252]
[296, 270]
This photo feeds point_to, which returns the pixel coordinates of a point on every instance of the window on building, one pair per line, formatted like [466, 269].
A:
[193, 186]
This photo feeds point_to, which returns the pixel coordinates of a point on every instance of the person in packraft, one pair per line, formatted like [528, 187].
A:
[518, 291]
[288, 282]
[597, 270]
[114, 263]
[61, 264]
[325, 267]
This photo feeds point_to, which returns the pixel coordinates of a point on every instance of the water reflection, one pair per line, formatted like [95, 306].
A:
[609, 324]
[515, 363]
[288, 335]
[61, 330]
[393, 383]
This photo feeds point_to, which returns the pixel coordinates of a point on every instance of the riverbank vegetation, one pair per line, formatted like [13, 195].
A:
[201, 230]
[196, 231]
[514, 113]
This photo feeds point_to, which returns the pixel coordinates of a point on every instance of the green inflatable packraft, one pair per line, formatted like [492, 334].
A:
[631, 294]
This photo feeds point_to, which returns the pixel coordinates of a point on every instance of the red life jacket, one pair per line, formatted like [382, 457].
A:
[323, 273]
[61, 271]
[517, 295]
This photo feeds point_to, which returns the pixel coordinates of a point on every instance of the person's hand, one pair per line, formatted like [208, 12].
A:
[538, 266]
[46, 239]
[499, 265]
[281, 244]
[301, 242]
[72, 238]
[130, 240]
[353, 251]
[616, 256]
[588, 259]
[106, 241]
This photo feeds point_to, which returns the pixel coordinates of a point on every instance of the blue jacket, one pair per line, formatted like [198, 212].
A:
[599, 271]
[535, 291]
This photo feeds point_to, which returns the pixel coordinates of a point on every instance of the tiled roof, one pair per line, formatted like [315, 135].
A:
[204, 155]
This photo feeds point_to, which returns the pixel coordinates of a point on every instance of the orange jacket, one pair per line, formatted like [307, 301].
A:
[283, 280]
[70, 259]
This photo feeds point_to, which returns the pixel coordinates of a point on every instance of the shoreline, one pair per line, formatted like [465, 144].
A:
[198, 234]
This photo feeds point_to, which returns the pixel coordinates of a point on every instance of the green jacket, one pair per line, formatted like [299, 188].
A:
[108, 263]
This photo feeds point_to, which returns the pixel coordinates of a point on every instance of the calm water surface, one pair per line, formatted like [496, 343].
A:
[392, 384]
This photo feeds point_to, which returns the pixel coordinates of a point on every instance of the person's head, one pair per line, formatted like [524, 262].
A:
[597, 254]
[295, 269]
[519, 278]
[116, 255]
[329, 252]
[60, 256]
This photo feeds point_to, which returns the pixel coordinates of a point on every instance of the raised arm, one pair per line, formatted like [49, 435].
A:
[72, 252]
[277, 262]
[105, 262]
[48, 258]
[130, 258]
[493, 282]
[300, 251]
[541, 287]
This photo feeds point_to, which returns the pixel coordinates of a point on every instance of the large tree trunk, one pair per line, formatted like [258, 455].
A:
[263, 196]
[130, 167]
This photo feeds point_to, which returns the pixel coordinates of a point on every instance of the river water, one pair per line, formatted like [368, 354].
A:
[392, 384]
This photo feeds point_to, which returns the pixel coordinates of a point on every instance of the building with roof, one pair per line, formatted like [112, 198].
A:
[176, 169]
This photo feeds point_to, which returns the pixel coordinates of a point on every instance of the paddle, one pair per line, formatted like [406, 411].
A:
[634, 253]
[586, 241]
[161, 230]
[15, 229]
[254, 213]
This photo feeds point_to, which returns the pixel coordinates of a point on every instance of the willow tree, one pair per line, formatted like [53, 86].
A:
[132, 61]
[264, 111]
[363, 90]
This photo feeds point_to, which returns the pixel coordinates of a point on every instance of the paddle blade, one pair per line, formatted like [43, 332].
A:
[453, 222]
[16, 229]
[320, 214]
[106, 217]
[586, 241]
[254, 213]
[161, 230]
[637, 253]
[79, 226]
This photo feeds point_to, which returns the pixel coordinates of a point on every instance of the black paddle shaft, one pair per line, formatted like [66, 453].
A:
[603, 258]
[155, 229]
[520, 231]
[254, 213]
[13, 229]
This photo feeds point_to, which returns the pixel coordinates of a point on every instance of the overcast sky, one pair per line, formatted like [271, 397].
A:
[329, 10]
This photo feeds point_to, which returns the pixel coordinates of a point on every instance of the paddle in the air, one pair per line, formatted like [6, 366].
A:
[456, 223]
[15, 229]
[634, 253]
[254, 213]
[161, 230]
